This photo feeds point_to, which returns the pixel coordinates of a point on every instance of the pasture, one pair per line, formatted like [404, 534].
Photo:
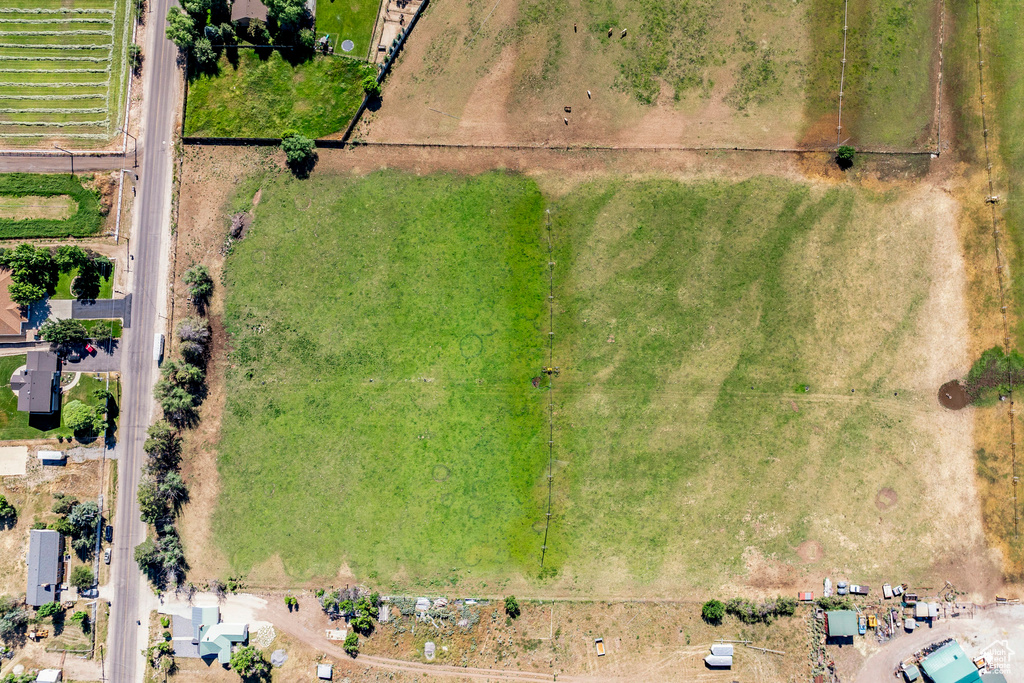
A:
[746, 391]
[62, 67]
[48, 205]
[698, 73]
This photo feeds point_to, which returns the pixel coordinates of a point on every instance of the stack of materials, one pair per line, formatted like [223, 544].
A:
[720, 657]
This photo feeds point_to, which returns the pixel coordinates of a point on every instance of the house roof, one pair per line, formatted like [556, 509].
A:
[38, 384]
[248, 9]
[949, 664]
[49, 676]
[203, 616]
[216, 640]
[841, 623]
[11, 314]
[44, 551]
[324, 672]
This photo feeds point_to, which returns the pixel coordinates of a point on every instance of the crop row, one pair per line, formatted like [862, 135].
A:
[53, 110]
[19, 58]
[70, 20]
[86, 96]
[57, 124]
[53, 46]
[63, 10]
[75, 32]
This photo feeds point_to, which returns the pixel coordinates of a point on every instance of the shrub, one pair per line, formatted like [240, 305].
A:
[713, 611]
[370, 85]
[82, 577]
[512, 606]
[352, 644]
[844, 156]
[49, 609]
[248, 662]
[165, 622]
[81, 418]
[300, 153]
[7, 511]
[63, 332]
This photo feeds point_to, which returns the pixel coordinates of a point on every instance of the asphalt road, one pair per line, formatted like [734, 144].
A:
[151, 224]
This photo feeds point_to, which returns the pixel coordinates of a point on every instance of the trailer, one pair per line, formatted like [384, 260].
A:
[158, 347]
[887, 592]
[599, 646]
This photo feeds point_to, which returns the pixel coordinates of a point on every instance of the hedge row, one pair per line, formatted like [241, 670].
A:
[86, 221]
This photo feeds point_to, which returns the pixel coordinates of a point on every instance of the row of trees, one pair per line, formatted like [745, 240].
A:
[78, 520]
[35, 271]
[202, 28]
[748, 611]
[180, 390]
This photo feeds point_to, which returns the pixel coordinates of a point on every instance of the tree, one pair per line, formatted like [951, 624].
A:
[193, 352]
[31, 266]
[152, 505]
[173, 489]
[147, 555]
[197, 8]
[13, 616]
[200, 284]
[307, 40]
[300, 152]
[49, 609]
[84, 517]
[181, 28]
[172, 555]
[713, 611]
[248, 662]
[512, 606]
[844, 156]
[64, 504]
[291, 602]
[82, 619]
[163, 447]
[102, 329]
[82, 577]
[182, 374]
[258, 32]
[195, 330]
[7, 511]
[227, 34]
[63, 332]
[135, 57]
[178, 405]
[24, 293]
[370, 85]
[79, 417]
[287, 13]
[69, 257]
[352, 644]
[202, 51]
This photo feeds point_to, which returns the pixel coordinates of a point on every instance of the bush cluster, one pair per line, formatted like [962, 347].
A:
[161, 493]
[77, 520]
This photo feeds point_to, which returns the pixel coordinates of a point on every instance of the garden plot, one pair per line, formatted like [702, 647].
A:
[61, 67]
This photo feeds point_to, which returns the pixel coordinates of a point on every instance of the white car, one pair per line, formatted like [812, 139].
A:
[106, 556]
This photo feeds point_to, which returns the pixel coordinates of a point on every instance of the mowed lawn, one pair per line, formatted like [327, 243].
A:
[385, 331]
[384, 335]
[263, 98]
[347, 20]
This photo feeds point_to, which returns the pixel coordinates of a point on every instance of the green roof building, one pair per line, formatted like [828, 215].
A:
[842, 623]
[949, 664]
[216, 640]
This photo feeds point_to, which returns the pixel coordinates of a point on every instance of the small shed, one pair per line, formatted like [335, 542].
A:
[933, 610]
[921, 610]
[50, 676]
[722, 649]
[912, 673]
[718, 661]
[325, 672]
[841, 623]
[55, 458]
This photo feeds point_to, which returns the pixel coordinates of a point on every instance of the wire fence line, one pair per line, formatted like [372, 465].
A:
[842, 73]
[551, 387]
[992, 200]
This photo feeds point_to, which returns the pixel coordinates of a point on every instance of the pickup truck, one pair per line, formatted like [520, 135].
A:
[859, 590]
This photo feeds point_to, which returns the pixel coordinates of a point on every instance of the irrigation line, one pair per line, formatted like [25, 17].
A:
[991, 200]
[842, 74]
[551, 387]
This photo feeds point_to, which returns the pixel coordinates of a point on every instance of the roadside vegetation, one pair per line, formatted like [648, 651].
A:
[86, 219]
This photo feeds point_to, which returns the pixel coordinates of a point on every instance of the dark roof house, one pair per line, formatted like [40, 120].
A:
[12, 315]
[45, 552]
[38, 385]
[244, 11]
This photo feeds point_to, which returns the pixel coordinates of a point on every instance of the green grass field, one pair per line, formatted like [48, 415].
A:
[18, 425]
[347, 20]
[64, 286]
[85, 221]
[385, 331]
[264, 98]
[889, 91]
[62, 68]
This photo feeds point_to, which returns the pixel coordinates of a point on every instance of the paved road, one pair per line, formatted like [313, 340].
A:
[151, 225]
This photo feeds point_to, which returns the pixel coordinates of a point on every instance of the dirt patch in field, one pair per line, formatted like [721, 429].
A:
[952, 395]
[810, 551]
[58, 207]
[886, 498]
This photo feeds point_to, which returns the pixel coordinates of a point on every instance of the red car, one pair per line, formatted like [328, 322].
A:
[89, 349]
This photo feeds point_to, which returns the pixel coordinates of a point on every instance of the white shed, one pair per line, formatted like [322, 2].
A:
[51, 457]
[50, 676]
[718, 661]
[722, 650]
[325, 671]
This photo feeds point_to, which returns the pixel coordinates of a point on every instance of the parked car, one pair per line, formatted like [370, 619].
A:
[90, 350]
[108, 533]
[862, 624]
[106, 556]
[841, 588]
[74, 355]
[859, 590]
[897, 590]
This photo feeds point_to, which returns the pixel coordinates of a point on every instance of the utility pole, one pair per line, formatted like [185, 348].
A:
[135, 147]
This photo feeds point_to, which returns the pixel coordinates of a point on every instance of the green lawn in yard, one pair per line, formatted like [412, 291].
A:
[115, 323]
[385, 331]
[64, 285]
[19, 425]
[347, 19]
[264, 98]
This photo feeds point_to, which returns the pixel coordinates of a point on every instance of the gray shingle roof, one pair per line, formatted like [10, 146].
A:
[44, 559]
[37, 386]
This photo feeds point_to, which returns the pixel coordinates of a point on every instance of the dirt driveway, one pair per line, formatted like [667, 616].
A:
[988, 627]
